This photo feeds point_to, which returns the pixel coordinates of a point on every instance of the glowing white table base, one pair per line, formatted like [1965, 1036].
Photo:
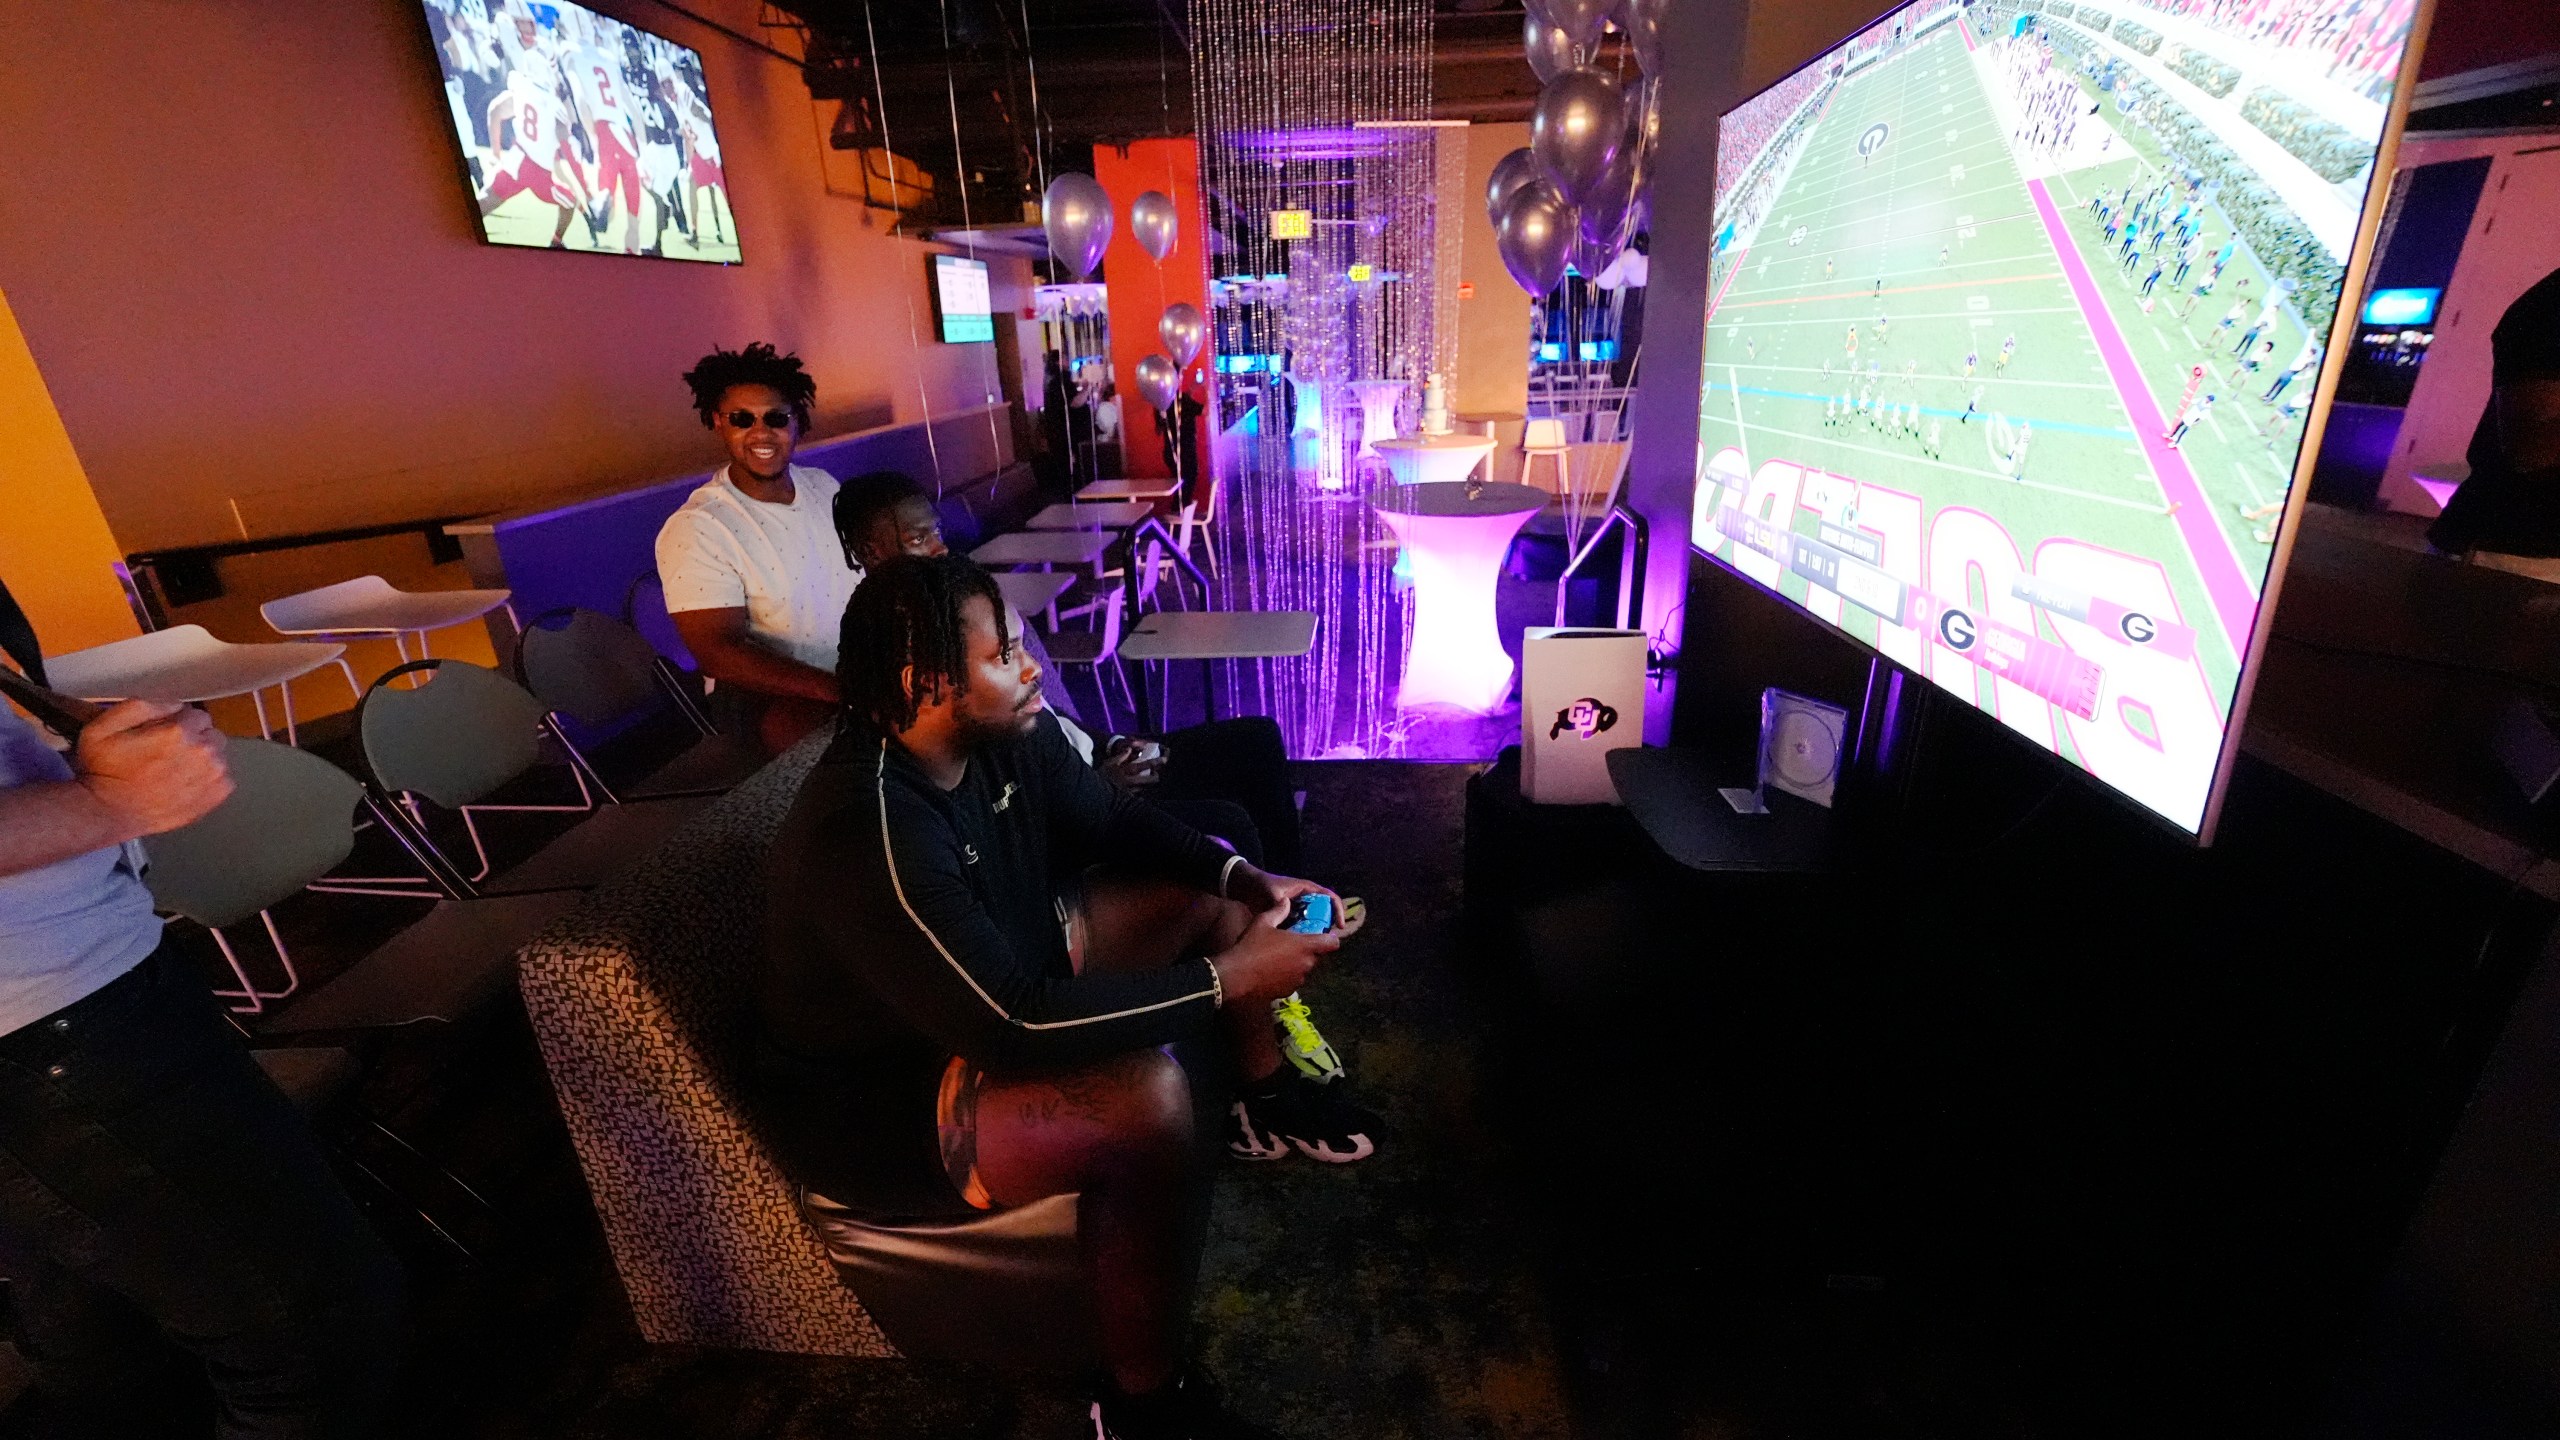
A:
[1378, 401]
[1455, 543]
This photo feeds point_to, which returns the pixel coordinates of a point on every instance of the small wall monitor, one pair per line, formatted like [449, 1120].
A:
[961, 300]
[2021, 329]
[580, 132]
[2401, 307]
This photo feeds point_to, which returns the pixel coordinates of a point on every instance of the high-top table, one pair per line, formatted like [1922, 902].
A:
[1211, 635]
[1378, 401]
[1047, 549]
[1093, 515]
[1455, 537]
[1035, 591]
[1106, 490]
[1431, 459]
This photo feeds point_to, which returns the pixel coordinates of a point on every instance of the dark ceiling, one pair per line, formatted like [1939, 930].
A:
[977, 88]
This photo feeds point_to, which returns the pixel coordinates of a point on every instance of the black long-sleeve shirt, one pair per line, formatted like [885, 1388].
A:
[909, 924]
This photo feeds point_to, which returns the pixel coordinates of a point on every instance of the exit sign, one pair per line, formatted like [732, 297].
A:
[1293, 224]
[1361, 273]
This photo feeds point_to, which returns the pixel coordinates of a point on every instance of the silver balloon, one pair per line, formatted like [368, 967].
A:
[1550, 54]
[1577, 129]
[1509, 173]
[1612, 204]
[1159, 381]
[1619, 207]
[1581, 21]
[1641, 22]
[1183, 331]
[1536, 234]
[1590, 257]
[1077, 216]
[1153, 223]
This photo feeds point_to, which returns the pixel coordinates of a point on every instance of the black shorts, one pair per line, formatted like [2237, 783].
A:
[866, 1141]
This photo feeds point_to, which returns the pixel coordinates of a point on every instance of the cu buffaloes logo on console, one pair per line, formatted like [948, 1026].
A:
[1585, 717]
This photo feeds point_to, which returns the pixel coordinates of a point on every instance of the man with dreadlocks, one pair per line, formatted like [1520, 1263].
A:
[755, 578]
[978, 947]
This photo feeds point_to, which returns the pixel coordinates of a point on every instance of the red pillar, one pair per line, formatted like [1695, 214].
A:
[1141, 288]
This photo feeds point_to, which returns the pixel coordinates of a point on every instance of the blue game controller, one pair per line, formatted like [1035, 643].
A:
[1310, 915]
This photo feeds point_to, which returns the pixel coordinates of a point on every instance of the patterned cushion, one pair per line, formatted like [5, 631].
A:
[639, 998]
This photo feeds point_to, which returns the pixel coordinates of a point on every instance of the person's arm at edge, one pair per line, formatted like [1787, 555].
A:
[133, 776]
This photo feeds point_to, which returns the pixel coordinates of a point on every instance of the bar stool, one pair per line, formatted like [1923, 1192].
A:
[367, 607]
[186, 665]
[1543, 439]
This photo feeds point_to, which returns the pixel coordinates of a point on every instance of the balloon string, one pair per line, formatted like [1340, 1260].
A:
[968, 228]
[897, 229]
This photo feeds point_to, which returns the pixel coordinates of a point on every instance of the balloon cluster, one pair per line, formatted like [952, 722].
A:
[1076, 216]
[1578, 193]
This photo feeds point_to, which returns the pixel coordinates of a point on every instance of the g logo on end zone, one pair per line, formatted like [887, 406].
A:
[1955, 630]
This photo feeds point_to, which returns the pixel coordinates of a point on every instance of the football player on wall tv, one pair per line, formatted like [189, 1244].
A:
[582, 133]
[2021, 329]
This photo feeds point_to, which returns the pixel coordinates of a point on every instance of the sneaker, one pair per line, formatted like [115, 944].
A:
[1190, 1410]
[1303, 1043]
[1313, 1118]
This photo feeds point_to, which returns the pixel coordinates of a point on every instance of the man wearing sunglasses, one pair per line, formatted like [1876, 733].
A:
[756, 580]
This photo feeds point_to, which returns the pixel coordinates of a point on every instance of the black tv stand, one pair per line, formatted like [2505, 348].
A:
[1673, 795]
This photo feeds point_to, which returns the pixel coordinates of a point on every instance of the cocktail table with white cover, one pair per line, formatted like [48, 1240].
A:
[1432, 459]
[1207, 635]
[1092, 515]
[1455, 537]
[185, 665]
[368, 607]
[1378, 401]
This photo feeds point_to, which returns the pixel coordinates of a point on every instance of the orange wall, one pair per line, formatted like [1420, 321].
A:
[55, 552]
[242, 250]
[1141, 288]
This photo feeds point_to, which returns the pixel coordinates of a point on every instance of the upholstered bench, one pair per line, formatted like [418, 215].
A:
[640, 1000]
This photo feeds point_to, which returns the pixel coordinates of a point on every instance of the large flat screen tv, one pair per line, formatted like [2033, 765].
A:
[2021, 327]
[962, 303]
[579, 132]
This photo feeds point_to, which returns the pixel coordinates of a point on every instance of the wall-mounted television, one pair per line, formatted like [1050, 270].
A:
[580, 132]
[2021, 329]
[963, 307]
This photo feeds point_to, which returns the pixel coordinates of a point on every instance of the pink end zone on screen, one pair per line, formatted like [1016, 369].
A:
[2019, 340]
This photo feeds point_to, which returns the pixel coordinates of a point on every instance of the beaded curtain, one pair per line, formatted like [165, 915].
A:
[1322, 106]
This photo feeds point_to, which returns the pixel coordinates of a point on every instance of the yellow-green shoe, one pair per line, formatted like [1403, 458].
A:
[1302, 1042]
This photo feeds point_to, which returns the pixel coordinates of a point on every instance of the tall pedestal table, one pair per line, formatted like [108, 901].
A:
[1378, 401]
[1432, 459]
[1455, 537]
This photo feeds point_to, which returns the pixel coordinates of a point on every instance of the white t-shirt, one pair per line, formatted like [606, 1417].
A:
[723, 550]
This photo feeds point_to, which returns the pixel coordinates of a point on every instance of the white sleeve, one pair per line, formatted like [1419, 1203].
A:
[1076, 736]
[695, 567]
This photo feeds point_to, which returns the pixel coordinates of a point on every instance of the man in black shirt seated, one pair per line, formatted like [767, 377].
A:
[978, 948]
[1228, 777]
